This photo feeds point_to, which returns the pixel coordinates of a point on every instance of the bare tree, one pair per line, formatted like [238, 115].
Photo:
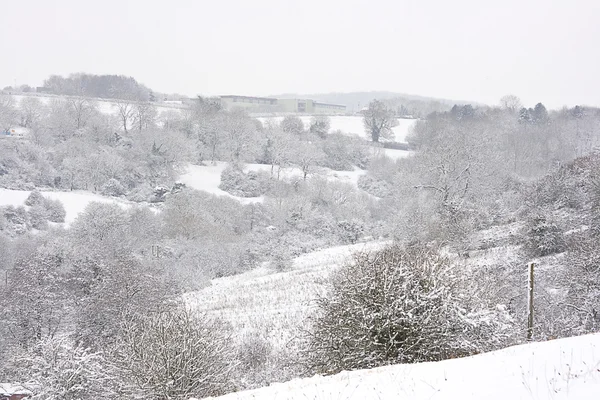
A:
[125, 112]
[144, 115]
[511, 103]
[379, 120]
[32, 111]
[81, 110]
[8, 113]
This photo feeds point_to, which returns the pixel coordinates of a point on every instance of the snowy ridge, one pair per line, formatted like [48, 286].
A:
[559, 369]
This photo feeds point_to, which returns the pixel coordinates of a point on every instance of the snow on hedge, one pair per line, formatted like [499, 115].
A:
[555, 370]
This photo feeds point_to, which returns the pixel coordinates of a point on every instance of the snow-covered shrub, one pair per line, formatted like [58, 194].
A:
[342, 153]
[292, 124]
[392, 306]
[543, 237]
[16, 220]
[176, 355]
[56, 369]
[252, 184]
[35, 198]
[281, 258]
[374, 186]
[159, 194]
[113, 188]
[253, 351]
[319, 125]
[38, 217]
[351, 231]
[55, 210]
[582, 278]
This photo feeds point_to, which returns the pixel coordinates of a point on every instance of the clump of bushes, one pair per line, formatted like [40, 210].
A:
[238, 183]
[44, 209]
[113, 188]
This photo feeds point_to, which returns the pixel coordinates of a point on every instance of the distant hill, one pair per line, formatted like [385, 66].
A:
[355, 101]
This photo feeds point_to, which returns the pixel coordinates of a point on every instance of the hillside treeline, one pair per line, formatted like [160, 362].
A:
[95, 310]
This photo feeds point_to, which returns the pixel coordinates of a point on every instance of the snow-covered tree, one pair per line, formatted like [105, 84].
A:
[379, 120]
[292, 124]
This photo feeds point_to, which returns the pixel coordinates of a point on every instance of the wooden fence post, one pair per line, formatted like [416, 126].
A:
[530, 303]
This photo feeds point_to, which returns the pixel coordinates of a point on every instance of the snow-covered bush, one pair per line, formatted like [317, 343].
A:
[35, 198]
[374, 186]
[342, 153]
[15, 220]
[175, 355]
[55, 210]
[393, 306]
[319, 125]
[58, 370]
[252, 184]
[38, 217]
[543, 237]
[292, 124]
[113, 188]
[582, 278]
[351, 231]
[253, 351]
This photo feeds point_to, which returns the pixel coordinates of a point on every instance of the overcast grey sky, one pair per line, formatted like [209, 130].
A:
[540, 50]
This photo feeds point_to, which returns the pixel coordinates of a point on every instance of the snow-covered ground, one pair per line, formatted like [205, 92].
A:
[274, 305]
[353, 125]
[74, 202]
[270, 303]
[207, 178]
[555, 370]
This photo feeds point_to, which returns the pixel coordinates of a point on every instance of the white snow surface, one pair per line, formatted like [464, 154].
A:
[274, 304]
[10, 389]
[555, 370]
[207, 178]
[74, 202]
[353, 125]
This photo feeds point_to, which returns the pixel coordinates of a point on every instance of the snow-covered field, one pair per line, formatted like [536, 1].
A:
[555, 370]
[74, 202]
[353, 125]
[207, 178]
[270, 303]
[105, 106]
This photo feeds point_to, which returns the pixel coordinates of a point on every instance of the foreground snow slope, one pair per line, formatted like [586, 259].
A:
[559, 369]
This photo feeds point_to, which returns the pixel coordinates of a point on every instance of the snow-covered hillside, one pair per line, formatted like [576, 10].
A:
[555, 370]
[274, 304]
[353, 125]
